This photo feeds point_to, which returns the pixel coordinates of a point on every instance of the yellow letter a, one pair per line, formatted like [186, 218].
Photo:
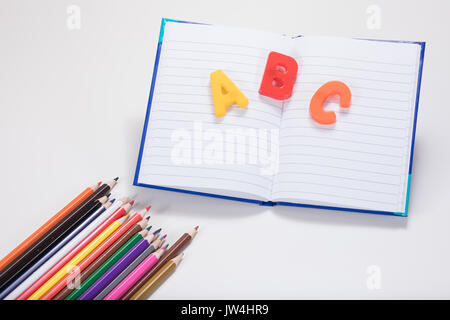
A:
[225, 93]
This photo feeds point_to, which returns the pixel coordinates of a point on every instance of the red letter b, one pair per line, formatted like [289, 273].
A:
[279, 76]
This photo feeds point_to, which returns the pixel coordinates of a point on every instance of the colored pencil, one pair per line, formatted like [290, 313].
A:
[47, 241]
[54, 250]
[93, 284]
[78, 258]
[134, 276]
[170, 254]
[54, 289]
[77, 201]
[166, 270]
[155, 245]
[75, 246]
[85, 274]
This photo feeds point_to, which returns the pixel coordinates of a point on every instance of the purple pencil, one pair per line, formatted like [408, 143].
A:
[116, 269]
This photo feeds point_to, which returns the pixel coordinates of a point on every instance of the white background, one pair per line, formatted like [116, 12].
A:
[72, 110]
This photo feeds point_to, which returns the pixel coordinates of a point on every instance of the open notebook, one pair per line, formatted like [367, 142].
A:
[274, 153]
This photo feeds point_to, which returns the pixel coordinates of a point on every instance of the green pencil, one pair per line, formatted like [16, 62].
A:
[104, 267]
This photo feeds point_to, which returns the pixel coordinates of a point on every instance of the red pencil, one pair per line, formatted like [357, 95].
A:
[72, 253]
[135, 218]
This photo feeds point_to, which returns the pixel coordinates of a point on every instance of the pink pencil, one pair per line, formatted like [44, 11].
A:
[134, 276]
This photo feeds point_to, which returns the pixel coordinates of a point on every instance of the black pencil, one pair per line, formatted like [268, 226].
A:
[49, 239]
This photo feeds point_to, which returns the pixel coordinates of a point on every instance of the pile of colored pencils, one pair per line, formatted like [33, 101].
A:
[92, 249]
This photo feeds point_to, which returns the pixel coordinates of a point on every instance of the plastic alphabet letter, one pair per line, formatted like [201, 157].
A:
[279, 76]
[327, 90]
[225, 93]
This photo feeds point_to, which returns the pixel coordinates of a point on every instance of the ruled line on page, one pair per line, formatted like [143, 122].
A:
[236, 152]
[339, 167]
[338, 186]
[213, 60]
[343, 158]
[358, 60]
[351, 77]
[255, 110]
[351, 122]
[218, 52]
[248, 145]
[336, 176]
[208, 123]
[362, 114]
[397, 107]
[206, 177]
[258, 82]
[215, 43]
[211, 107]
[342, 149]
[205, 167]
[282, 137]
[347, 131]
[340, 139]
[337, 195]
[209, 113]
[358, 69]
[287, 135]
[217, 123]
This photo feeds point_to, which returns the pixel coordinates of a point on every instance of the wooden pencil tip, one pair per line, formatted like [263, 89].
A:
[148, 228]
[148, 208]
[99, 183]
[196, 228]
[116, 178]
[131, 202]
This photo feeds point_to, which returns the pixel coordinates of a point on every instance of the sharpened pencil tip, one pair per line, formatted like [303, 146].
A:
[131, 202]
[157, 231]
[163, 237]
[166, 246]
[148, 228]
[196, 228]
[112, 200]
[108, 194]
[116, 178]
[148, 208]
[99, 183]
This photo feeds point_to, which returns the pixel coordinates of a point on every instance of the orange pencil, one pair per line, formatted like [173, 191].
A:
[48, 225]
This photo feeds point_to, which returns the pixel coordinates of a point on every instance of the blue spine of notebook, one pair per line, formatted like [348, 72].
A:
[270, 203]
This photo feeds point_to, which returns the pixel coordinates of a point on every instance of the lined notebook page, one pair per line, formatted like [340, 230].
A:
[182, 103]
[362, 161]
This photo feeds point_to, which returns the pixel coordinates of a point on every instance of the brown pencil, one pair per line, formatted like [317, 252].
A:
[170, 254]
[150, 286]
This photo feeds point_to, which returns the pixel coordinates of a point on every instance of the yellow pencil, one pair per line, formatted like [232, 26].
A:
[77, 259]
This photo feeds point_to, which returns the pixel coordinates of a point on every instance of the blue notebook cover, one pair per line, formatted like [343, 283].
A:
[270, 203]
